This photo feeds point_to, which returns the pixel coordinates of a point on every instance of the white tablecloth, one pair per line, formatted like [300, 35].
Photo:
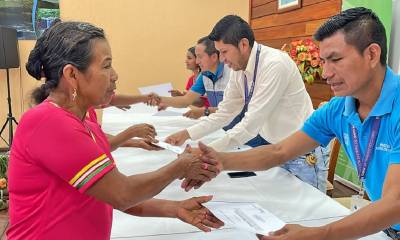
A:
[276, 190]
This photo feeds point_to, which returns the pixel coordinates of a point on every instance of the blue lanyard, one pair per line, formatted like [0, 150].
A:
[363, 165]
[247, 96]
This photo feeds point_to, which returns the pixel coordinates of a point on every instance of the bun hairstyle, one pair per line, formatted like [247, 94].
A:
[63, 43]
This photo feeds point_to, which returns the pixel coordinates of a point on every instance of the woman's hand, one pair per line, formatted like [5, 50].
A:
[192, 212]
[144, 143]
[143, 130]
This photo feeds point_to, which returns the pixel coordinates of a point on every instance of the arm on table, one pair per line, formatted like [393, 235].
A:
[256, 159]
[368, 220]
[190, 211]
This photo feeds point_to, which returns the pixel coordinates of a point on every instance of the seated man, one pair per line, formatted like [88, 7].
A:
[365, 117]
[211, 81]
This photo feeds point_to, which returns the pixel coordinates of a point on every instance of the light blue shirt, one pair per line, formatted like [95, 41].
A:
[334, 120]
[213, 84]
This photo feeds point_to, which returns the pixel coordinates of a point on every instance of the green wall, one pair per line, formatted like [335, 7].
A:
[383, 8]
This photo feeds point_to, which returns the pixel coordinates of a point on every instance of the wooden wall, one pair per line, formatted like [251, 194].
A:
[274, 29]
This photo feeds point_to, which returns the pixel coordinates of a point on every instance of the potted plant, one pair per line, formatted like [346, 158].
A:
[3, 181]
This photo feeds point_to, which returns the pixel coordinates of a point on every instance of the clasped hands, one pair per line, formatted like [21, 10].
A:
[153, 99]
[204, 165]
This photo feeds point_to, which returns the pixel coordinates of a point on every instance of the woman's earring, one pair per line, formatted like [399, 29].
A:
[74, 94]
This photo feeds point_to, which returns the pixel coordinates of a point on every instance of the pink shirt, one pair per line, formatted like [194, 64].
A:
[190, 83]
[55, 158]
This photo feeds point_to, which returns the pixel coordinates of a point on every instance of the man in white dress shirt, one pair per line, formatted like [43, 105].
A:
[265, 97]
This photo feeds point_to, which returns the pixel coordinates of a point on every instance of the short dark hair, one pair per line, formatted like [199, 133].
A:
[231, 29]
[361, 28]
[61, 44]
[210, 46]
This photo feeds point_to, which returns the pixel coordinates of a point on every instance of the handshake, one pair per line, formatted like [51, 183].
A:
[198, 166]
[153, 99]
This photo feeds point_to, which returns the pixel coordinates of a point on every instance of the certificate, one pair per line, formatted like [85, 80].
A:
[250, 217]
[170, 147]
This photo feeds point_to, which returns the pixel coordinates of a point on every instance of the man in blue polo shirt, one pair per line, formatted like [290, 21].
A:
[365, 117]
[211, 82]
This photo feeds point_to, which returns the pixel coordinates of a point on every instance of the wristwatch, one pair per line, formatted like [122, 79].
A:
[206, 112]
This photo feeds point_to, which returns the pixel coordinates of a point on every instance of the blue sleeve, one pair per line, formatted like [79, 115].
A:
[198, 86]
[320, 125]
[394, 157]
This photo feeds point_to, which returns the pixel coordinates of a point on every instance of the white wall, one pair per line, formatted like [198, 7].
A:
[394, 53]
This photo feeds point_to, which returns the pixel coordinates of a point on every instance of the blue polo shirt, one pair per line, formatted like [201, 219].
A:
[212, 84]
[335, 117]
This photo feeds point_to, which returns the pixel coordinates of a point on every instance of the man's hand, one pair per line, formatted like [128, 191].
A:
[178, 138]
[296, 232]
[194, 112]
[210, 157]
[161, 106]
[176, 93]
[192, 212]
[143, 130]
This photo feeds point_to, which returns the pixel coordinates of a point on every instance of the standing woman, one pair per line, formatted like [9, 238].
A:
[63, 181]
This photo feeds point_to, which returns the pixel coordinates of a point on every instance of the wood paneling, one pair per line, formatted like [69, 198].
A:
[266, 9]
[256, 3]
[317, 11]
[288, 31]
[319, 92]
[274, 29]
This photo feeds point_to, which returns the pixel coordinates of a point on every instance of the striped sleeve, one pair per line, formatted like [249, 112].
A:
[90, 173]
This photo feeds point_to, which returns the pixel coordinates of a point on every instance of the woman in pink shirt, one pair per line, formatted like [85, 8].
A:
[63, 181]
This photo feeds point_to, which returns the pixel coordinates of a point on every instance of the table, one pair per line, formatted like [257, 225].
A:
[275, 189]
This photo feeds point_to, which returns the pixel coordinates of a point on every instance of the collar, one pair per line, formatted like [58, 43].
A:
[384, 104]
[252, 59]
[217, 75]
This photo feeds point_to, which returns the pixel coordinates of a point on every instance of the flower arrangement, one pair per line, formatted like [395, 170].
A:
[306, 55]
[3, 181]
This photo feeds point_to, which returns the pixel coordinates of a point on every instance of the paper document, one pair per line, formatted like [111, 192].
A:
[170, 147]
[246, 216]
[161, 89]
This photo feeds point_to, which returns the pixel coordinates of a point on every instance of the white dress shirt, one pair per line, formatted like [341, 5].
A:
[279, 106]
